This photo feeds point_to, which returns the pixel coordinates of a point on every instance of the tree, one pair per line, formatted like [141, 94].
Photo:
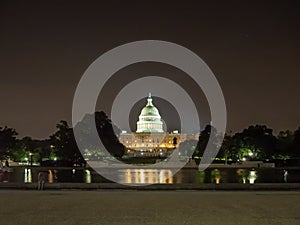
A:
[284, 144]
[64, 144]
[46, 149]
[295, 147]
[33, 150]
[7, 141]
[23, 149]
[203, 140]
[187, 148]
[228, 149]
[105, 131]
[256, 142]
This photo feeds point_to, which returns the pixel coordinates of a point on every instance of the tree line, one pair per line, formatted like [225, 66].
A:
[254, 142]
[61, 145]
[257, 142]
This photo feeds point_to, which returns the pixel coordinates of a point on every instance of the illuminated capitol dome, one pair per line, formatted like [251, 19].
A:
[149, 119]
[150, 139]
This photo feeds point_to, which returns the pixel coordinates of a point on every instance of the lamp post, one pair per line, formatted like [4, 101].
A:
[30, 154]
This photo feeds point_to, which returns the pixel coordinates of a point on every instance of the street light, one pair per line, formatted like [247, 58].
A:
[30, 154]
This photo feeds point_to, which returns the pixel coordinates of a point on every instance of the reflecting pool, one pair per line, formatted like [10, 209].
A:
[163, 176]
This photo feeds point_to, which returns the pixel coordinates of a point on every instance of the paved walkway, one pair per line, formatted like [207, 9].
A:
[121, 207]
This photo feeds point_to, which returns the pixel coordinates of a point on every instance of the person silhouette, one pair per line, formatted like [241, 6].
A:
[6, 163]
[41, 180]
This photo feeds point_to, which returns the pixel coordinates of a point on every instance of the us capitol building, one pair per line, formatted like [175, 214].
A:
[150, 139]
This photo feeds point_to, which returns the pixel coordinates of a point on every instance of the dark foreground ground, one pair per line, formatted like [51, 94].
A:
[149, 207]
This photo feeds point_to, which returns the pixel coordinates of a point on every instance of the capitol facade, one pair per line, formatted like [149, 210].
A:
[150, 138]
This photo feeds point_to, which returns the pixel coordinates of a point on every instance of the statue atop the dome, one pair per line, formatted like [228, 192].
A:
[149, 100]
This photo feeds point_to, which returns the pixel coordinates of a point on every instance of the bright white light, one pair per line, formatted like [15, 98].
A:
[252, 177]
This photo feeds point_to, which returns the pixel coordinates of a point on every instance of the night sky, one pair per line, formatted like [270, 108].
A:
[253, 48]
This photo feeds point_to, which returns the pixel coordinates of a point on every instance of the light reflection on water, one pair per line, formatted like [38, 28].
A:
[87, 176]
[50, 176]
[247, 176]
[252, 177]
[146, 176]
[215, 176]
[164, 176]
[27, 175]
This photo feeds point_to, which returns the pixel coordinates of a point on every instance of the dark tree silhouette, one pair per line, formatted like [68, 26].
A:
[284, 148]
[228, 149]
[7, 141]
[203, 140]
[27, 147]
[106, 131]
[295, 148]
[259, 139]
[64, 144]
